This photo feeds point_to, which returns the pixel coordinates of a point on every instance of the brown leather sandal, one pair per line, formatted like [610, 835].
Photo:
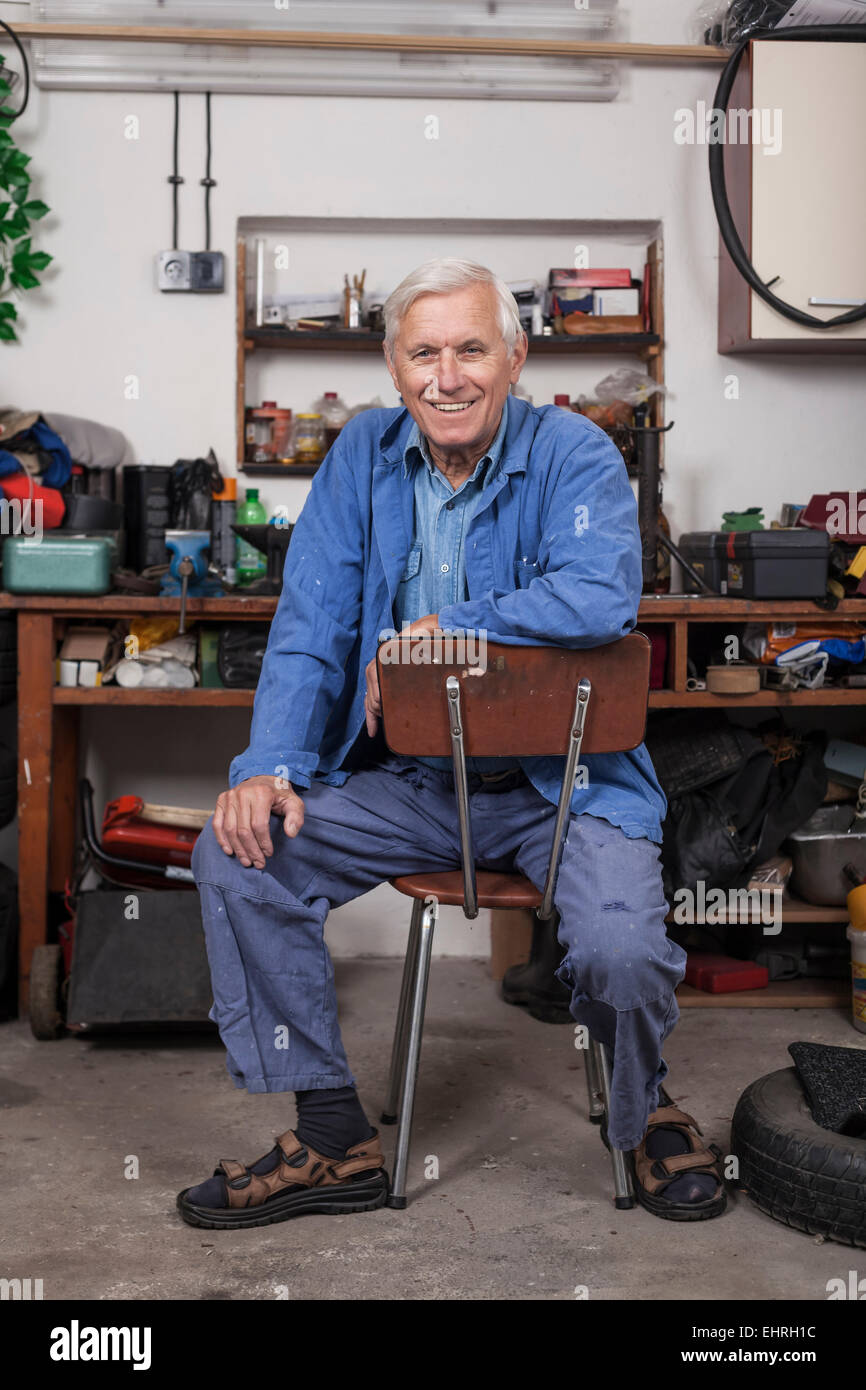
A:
[303, 1182]
[653, 1175]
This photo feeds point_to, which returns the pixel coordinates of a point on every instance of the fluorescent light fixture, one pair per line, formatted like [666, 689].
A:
[537, 19]
[139, 65]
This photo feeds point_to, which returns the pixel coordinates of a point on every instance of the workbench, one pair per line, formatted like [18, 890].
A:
[48, 718]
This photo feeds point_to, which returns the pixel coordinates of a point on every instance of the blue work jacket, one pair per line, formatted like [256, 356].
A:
[552, 556]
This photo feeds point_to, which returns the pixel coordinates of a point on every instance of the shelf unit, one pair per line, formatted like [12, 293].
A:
[48, 722]
[648, 347]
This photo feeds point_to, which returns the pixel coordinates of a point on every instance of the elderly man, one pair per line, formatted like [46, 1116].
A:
[456, 511]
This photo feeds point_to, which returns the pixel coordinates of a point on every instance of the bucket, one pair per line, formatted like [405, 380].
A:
[856, 933]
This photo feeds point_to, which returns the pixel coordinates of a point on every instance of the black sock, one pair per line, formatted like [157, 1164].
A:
[331, 1121]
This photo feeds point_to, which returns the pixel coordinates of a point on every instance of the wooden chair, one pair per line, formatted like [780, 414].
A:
[518, 702]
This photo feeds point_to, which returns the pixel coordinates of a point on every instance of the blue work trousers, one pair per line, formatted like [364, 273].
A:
[273, 980]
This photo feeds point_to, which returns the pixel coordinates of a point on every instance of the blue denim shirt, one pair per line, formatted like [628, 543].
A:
[552, 556]
[435, 573]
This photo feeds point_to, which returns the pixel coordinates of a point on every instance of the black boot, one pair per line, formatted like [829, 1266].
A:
[534, 985]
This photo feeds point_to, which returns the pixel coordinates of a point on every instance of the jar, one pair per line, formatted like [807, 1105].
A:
[309, 440]
[267, 433]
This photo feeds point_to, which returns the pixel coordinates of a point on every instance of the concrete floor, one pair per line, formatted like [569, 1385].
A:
[522, 1207]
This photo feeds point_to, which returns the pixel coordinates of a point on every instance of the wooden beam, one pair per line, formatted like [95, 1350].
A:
[400, 43]
[35, 683]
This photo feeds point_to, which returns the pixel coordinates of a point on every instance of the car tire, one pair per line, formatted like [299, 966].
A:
[794, 1170]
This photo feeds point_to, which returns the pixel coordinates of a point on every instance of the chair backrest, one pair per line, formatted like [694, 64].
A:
[450, 695]
[517, 701]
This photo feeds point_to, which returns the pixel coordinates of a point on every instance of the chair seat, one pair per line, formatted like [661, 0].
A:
[494, 890]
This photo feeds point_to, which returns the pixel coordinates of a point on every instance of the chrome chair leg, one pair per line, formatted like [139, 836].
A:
[397, 1196]
[398, 1050]
[593, 1084]
[622, 1184]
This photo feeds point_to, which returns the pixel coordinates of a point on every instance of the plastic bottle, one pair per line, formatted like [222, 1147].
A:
[251, 563]
[334, 413]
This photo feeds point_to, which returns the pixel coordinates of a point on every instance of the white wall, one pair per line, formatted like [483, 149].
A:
[798, 422]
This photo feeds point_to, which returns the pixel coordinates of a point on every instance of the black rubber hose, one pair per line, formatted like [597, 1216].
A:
[17, 42]
[844, 33]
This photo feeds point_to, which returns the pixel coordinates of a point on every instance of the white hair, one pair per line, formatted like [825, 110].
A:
[442, 276]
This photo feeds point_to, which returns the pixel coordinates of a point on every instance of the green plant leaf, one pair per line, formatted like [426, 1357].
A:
[14, 226]
[39, 260]
[35, 209]
[7, 332]
[7, 310]
[23, 279]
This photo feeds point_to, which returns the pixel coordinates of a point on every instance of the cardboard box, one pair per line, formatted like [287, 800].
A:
[616, 301]
[89, 648]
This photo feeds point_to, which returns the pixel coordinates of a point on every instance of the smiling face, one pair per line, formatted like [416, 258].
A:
[453, 370]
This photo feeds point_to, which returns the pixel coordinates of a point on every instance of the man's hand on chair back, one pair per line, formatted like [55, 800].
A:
[241, 820]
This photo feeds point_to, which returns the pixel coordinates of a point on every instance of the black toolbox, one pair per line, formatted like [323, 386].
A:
[785, 563]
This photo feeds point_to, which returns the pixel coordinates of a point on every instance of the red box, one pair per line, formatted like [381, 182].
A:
[723, 974]
[615, 278]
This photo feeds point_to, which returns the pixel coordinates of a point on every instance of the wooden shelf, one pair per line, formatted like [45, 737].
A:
[649, 347]
[717, 608]
[362, 340]
[312, 340]
[705, 699]
[118, 695]
[278, 470]
[794, 911]
[779, 994]
[240, 606]
[363, 42]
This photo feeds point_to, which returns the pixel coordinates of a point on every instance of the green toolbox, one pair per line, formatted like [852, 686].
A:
[57, 564]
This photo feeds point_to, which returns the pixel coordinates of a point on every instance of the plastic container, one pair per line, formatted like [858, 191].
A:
[717, 974]
[820, 849]
[334, 413]
[56, 564]
[856, 933]
[251, 563]
[760, 564]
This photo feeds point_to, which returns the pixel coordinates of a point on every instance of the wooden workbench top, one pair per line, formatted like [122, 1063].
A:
[658, 607]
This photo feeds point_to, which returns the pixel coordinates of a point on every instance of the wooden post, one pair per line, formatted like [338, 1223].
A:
[510, 939]
[35, 684]
[64, 799]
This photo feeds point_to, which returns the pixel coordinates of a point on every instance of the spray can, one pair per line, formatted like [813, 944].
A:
[223, 539]
[856, 933]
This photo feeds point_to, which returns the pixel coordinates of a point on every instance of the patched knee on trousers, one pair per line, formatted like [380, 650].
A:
[620, 978]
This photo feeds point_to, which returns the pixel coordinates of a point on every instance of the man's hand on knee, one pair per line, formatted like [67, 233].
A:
[241, 821]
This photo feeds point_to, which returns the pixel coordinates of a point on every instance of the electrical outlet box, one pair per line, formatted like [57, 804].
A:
[192, 272]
